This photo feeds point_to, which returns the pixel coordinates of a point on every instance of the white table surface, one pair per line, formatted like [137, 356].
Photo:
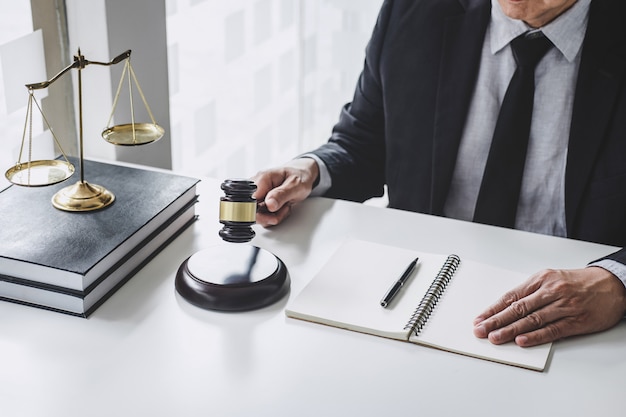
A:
[147, 352]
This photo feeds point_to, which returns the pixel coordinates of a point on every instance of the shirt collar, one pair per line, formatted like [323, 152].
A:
[566, 32]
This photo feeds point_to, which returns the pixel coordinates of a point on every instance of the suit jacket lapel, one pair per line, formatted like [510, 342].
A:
[600, 75]
[463, 40]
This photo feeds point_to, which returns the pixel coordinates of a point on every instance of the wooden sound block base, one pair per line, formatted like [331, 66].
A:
[232, 277]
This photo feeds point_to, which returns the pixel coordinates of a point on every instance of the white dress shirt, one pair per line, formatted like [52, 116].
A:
[541, 205]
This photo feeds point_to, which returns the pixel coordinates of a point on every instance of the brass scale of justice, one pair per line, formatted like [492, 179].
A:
[81, 196]
[226, 277]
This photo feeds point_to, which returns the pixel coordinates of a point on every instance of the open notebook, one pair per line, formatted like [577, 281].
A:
[346, 293]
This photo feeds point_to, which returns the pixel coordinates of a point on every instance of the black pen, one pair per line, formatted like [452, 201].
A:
[395, 288]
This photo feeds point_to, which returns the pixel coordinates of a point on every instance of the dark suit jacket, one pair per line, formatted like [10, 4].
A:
[405, 122]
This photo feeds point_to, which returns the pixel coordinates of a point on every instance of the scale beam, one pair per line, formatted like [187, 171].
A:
[79, 63]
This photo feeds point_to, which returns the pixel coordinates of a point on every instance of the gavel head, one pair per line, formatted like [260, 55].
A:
[237, 210]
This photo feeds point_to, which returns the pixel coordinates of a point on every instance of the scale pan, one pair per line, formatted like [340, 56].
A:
[39, 173]
[123, 134]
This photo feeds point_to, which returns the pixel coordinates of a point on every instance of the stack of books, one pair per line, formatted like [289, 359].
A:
[71, 262]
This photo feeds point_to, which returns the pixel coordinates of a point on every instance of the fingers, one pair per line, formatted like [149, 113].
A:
[540, 326]
[271, 208]
[549, 333]
[524, 310]
[552, 305]
[267, 218]
[504, 303]
[268, 180]
[280, 188]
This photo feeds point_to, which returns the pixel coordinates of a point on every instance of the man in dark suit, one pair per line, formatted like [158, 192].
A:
[422, 120]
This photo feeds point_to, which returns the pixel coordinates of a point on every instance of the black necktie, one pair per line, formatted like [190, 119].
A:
[500, 188]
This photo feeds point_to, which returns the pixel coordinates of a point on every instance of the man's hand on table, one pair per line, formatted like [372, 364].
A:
[554, 304]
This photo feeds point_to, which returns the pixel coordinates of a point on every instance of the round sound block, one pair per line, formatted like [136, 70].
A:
[232, 277]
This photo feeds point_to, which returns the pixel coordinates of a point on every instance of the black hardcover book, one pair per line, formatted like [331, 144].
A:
[73, 253]
[83, 303]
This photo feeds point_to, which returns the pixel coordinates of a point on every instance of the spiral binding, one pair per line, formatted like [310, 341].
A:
[423, 311]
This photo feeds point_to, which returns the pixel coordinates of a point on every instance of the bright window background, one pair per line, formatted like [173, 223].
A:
[254, 83]
[15, 22]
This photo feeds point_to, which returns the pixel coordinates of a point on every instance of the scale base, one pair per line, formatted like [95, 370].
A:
[82, 196]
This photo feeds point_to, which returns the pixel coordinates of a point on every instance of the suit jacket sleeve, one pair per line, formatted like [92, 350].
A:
[619, 256]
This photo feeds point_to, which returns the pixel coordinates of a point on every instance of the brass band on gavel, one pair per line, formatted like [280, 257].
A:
[235, 211]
